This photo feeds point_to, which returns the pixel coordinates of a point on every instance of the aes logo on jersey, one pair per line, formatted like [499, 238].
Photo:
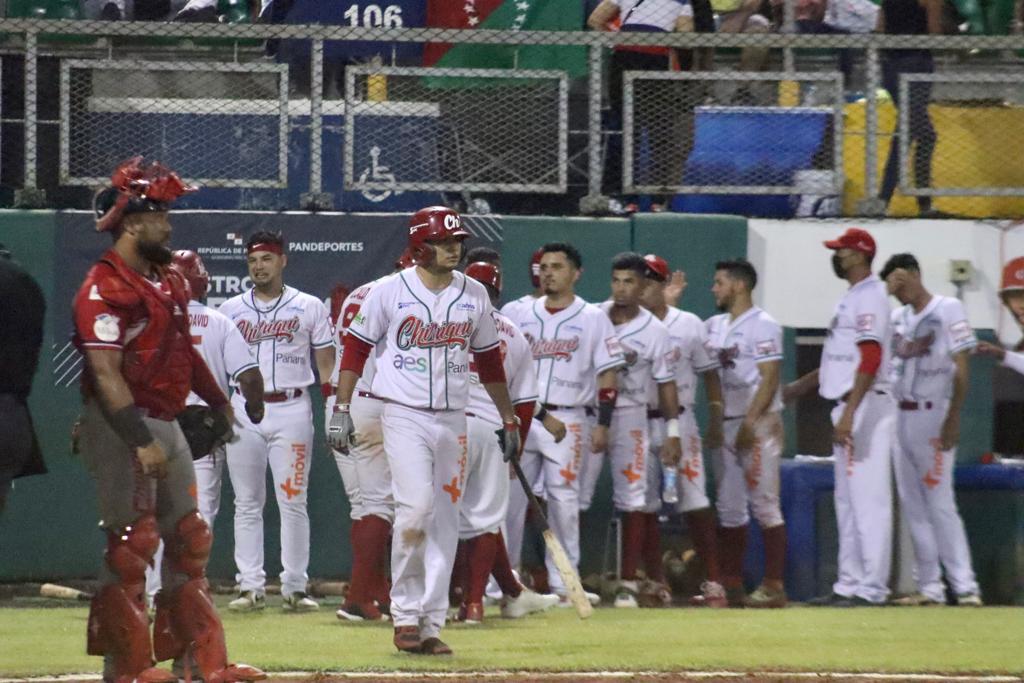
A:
[413, 332]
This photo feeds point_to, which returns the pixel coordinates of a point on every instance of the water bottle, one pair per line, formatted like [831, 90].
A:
[669, 492]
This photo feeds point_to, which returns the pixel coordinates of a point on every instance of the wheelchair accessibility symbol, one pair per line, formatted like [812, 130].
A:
[378, 172]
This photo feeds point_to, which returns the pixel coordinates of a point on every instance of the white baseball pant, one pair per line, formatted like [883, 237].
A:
[426, 451]
[691, 475]
[284, 440]
[863, 496]
[924, 479]
[557, 467]
[628, 444]
[486, 492]
[748, 481]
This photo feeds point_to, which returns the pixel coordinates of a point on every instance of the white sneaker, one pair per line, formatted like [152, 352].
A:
[626, 595]
[248, 601]
[969, 600]
[299, 602]
[528, 602]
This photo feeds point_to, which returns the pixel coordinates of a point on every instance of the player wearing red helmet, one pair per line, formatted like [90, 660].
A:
[133, 387]
[1011, 292]
[426, 322]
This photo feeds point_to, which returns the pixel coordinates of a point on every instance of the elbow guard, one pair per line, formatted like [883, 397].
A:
[870, 357]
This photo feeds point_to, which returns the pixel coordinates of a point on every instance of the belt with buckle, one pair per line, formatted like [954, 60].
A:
[281, 396]
[551, 406]
[656, 414]
[914, 405]
[367, 394]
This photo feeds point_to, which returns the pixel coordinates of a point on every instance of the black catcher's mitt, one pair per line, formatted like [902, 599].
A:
[205, 429]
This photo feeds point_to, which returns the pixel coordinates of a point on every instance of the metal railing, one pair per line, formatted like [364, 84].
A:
[459, 128]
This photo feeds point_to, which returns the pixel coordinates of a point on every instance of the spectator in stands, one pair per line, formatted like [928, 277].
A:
[22, 310]
[744, 16]
[810, 18]
[910, 17]
[151, 10]
[654, 114]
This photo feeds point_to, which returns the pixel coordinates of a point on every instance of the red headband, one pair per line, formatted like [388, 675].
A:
[265, 246]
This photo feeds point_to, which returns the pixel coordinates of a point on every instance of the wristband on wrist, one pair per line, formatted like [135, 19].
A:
[326, 390]
[606, 405]
[342, 407]
[127, 423]
[511, 424]
[672, 428]
[540, 413]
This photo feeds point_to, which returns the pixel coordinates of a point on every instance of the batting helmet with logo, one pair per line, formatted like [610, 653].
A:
[191, 265]
[433, 224]
[535, 267]
[1013, 276]
[486, 273]
[135, 187]
[657, 267]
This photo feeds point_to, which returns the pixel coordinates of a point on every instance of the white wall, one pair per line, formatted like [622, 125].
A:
[797, 286]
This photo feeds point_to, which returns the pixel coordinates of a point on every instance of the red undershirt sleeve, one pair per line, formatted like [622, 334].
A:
[355, 353]
[870, 357]
[489, 367]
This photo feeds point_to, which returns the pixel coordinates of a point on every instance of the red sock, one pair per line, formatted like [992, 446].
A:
[633, 531]
[377, 538]
[732, 547]
[460, 574]
[361, 579]
[652, 548]
[702, 532]
[481, 559]
[774, 552]
[502, 569]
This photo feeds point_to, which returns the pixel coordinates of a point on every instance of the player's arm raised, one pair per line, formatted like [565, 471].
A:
[770, 372]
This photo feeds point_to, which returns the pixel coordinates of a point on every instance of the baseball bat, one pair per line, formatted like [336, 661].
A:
[326, 588]
[566, 570]
[53, 590]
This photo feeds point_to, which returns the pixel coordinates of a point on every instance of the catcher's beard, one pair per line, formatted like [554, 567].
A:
[154, 252]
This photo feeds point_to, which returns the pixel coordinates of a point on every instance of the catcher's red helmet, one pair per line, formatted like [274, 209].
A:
[190, 264]
[432, 224]
[137, 186]
[657, 267]
[535, 267]
[486, 273]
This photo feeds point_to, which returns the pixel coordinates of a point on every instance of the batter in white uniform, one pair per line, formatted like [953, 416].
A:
[689, 353]
[931, 345]
[282, 325]
[748, 344]
[853, 374]
[576, 355]
[428, 320]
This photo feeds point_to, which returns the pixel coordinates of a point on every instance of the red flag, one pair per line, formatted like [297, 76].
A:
[454, 14]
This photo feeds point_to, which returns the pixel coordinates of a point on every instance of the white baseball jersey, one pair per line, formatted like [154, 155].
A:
[688, 352]
[281, 333]
[570, 348]
[513, 310]
[353, 302]
[862, 315]
[221, 345]
[425, 338]
[645, 346]
[740, 346]
[518, 362]
[659, 15]
[923, 346]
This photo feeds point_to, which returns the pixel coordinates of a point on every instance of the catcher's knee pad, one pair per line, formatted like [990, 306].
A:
[119, 628]
[130, 549]
[187, 616]
[189, 549]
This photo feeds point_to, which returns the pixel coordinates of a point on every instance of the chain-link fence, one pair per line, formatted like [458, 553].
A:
[299, 116]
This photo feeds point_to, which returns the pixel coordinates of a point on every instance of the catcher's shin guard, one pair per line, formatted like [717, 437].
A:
[118, 623]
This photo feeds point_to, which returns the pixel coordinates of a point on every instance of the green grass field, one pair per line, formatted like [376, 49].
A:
[36, 641]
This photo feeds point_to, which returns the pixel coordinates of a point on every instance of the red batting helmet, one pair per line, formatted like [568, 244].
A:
[486, 273]
[1013, 276]
[189, 264]
[432, 224]
[657, 267]
[535, 267]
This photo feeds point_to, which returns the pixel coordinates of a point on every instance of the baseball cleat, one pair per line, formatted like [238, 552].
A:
[712, 595]
[352, 611]
[248, 601]
[917, 600]
[764, 597]
[830, 600]
[969, 600]
[527, 602]
[435, 646]
[474, 613]
[625, 597]
[237, 673]
[299, 602]
[407, 638]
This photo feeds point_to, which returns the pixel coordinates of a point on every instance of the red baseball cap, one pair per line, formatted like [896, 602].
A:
[657, 267]
[857, 239]
[1013, 276]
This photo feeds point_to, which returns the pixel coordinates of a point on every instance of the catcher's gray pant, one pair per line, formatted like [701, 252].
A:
[124, 493]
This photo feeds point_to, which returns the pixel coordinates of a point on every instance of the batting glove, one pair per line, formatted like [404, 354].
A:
[341, 432]
[509, 440]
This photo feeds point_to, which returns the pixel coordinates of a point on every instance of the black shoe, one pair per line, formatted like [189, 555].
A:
[857, 601]
[829, 600]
